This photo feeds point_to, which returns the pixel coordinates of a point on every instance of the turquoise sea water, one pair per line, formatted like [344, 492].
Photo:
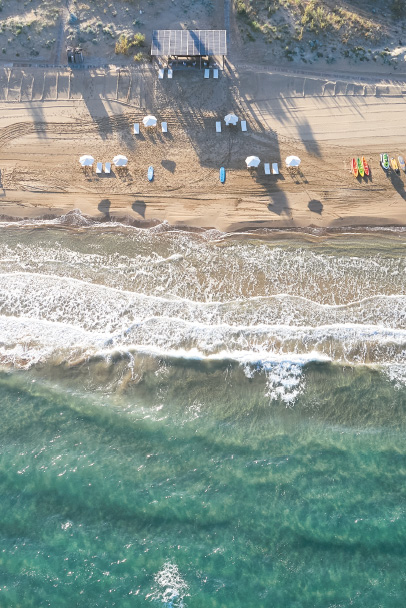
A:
[194, 420]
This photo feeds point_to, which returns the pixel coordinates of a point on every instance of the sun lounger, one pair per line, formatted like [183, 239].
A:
[218, 126]
[161, 72]
[215, 73]
[243, 125]
[107, 168]
[275, 169]
[164, 127]
[170, 73]
[267, 169]
[207, 73]
[136, 128]
[99, 168]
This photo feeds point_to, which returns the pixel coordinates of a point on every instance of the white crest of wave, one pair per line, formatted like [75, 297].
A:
[169, 588]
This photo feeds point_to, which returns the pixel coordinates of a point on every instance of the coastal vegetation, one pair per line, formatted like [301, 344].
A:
[319, 28]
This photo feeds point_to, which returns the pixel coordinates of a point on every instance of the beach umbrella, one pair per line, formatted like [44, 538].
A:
[252, 161]
[149, 121]
[292, 161]
[120, 160]
[86, 160]
[231, 119]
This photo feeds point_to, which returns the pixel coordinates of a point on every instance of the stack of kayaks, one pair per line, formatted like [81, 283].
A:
[359, 167]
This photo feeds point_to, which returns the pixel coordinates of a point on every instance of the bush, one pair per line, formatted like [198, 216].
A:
[139, 39]
[139, 56]
[125, 43]
[240, 6]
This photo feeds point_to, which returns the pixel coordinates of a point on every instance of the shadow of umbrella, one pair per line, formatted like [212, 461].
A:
[104, 207]
[169, 165]
[315, 206]
[139, 207]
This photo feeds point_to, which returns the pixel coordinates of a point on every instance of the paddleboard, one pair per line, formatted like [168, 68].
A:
[222, 175]
[151, 173]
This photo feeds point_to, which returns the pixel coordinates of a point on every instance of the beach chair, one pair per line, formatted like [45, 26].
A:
[243, 125]
[161, 73]
[99, 168]
[136, 128]
[164, 127]
[107, 168]
[275, 169]
[267, 169]
[215, 73]
[207, 73]
[170, 73]
[218, 126]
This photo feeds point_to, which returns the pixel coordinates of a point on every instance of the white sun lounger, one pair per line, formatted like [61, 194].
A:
[218, 126]
[107, 167]
[136, 128]
[243, 125]
[161, 72]
[164, 127]
[99, 168]
[207, 73]
[170, 73]
[275, 169]
[215, 73]
[267, 169]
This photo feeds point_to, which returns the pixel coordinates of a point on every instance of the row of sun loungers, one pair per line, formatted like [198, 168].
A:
[207, 73]
[275, 169]
[161, 73]
[243, 126]
[164, 128]
[107, 168]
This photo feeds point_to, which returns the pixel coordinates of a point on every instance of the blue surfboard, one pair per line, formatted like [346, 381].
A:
[222, 175]
[151, 173]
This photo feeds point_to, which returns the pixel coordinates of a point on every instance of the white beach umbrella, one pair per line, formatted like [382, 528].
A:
[252, 161]
[231, 119]
[86, 160]
[292, 161]
[149, 121]
[120, 160]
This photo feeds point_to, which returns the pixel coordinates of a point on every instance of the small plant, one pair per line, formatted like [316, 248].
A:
[139, 56]
[240, 7]
[139, 39]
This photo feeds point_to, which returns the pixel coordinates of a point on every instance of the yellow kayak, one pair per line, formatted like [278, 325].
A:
[394, 165]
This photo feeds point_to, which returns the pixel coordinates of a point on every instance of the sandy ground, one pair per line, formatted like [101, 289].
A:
[48, 118]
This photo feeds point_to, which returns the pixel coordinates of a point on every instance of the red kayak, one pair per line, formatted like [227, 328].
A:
[354, 167]
[366, 166]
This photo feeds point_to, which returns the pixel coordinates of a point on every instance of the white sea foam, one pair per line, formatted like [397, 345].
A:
[169, 587]
[272, 309]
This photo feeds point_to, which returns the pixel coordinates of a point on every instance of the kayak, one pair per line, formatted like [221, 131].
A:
[360, 167]
[150, 173]
[394, 165]
[222, 175]
[385, 161]
[354, 167]
[366, 166]
[402, 163]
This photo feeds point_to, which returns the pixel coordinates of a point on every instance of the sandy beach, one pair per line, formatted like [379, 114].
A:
[50, 116]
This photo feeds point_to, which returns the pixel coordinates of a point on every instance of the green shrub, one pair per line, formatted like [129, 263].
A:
[240, 7]
[138, 39]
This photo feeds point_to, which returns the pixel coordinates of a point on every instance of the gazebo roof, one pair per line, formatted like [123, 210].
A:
[189, 42]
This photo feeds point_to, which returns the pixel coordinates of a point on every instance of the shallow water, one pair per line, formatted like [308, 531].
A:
[201, 420]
